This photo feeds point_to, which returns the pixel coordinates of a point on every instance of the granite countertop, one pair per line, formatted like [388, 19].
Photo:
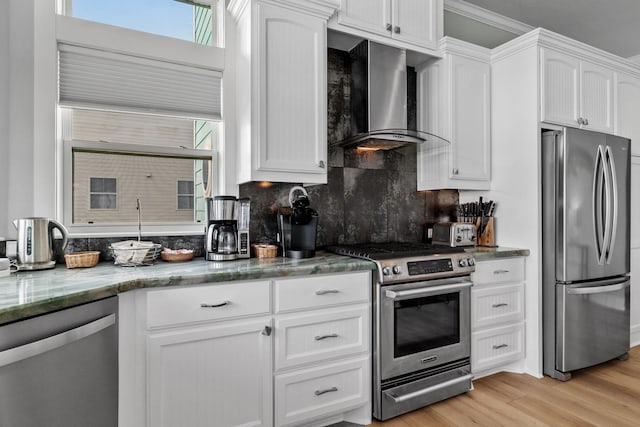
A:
[483, 253]
[29, 293]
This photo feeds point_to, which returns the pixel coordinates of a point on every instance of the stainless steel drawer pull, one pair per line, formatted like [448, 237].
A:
[500, 304]
[496, 347]
[327, 291]
[500, 271]
[326, 390]
[322, 337]
[223, 303]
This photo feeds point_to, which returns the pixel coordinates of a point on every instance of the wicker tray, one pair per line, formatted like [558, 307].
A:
[176, 256]
[82, 259]
[261, 250]
[133, 254]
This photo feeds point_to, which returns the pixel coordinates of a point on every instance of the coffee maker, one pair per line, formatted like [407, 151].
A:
[297, 226]
[226, 237]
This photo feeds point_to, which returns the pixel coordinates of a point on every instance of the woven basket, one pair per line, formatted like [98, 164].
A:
[82, 259]
[264, 251]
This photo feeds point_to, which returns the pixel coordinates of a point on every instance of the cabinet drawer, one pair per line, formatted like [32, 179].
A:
[321, 335]
[309, 393]
[495, 305]
[498, 271]
[321, 291]
[495, 347]
[168, 307]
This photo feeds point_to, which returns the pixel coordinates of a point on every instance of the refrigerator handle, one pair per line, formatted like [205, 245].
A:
[590, 290]
[613, 187]
[599, 191]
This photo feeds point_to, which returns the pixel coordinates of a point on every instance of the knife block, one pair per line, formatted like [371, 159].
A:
[488, 236]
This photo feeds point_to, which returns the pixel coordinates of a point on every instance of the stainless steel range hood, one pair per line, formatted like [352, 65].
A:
[379, 100]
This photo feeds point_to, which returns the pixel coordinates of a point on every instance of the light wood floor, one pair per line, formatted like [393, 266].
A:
[604, 395]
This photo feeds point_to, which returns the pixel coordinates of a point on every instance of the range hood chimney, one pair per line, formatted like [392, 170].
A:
[379, 100]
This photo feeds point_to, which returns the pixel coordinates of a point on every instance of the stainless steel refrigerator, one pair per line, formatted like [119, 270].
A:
[585, 249]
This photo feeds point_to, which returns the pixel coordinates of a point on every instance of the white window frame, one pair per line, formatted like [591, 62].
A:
[84, 33]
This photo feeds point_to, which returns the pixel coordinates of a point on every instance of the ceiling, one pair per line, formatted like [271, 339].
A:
[611, 25]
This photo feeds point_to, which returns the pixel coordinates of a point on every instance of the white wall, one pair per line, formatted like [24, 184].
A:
[4, 117]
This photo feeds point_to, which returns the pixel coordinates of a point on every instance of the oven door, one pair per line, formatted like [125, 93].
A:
[422, 325]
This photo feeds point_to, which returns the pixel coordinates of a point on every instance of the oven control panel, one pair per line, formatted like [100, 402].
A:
[425, 268]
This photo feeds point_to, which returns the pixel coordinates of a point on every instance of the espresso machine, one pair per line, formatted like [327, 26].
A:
[297, 226]
[227, 232]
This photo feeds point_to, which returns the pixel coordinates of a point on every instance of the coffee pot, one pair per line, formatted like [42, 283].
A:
[35, 242]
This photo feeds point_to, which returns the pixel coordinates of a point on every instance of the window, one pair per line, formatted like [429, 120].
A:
[102, 193]
[185, 195]
[181, 19]
[139, 114]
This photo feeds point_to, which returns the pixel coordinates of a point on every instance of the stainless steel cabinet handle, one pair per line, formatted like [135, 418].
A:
[223, 303]
[326, 291]
[586, 122]
[267, 331]
[500, 304]
[500, 271]
[396, 29]
[322, 337]
[496, 347]
[35, 348]
[321, 164]
[580, 121]
[388, 27]
[455, 171]
[326, 390]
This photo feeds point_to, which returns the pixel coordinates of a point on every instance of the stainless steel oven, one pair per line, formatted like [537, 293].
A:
[421, 324]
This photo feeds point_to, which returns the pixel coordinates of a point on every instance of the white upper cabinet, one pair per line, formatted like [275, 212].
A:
[454, 101]
[404, 23]
[627, 95]
[281, 94]
[575, 92]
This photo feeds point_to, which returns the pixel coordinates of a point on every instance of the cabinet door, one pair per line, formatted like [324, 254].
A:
[470, 119]
[367, 15]
[292, 101]
[416, 22]
[214, 375]
[596, 97]
[560, 76]
[626, 111]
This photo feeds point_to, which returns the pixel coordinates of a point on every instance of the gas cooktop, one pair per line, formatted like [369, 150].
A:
[380, 251]
[405, 262]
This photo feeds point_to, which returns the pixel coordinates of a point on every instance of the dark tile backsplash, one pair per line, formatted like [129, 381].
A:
[370, 195]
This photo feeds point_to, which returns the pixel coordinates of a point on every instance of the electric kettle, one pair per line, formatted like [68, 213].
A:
[35, 242]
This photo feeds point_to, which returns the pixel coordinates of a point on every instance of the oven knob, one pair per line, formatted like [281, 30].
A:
[463, 262]
[386, 271]
[397, 269]
[472, 262]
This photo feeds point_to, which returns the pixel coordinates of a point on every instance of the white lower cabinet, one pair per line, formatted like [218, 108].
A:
[497, 314]
[219, 354]
[322, 357]
[213, 375]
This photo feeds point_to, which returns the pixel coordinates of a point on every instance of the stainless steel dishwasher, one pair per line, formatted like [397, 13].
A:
[61, 369]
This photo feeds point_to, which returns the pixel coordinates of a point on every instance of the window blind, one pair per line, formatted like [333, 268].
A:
[93, 78]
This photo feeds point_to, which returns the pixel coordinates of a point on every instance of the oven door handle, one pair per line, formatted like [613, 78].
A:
[418, 393]
[418, 292]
